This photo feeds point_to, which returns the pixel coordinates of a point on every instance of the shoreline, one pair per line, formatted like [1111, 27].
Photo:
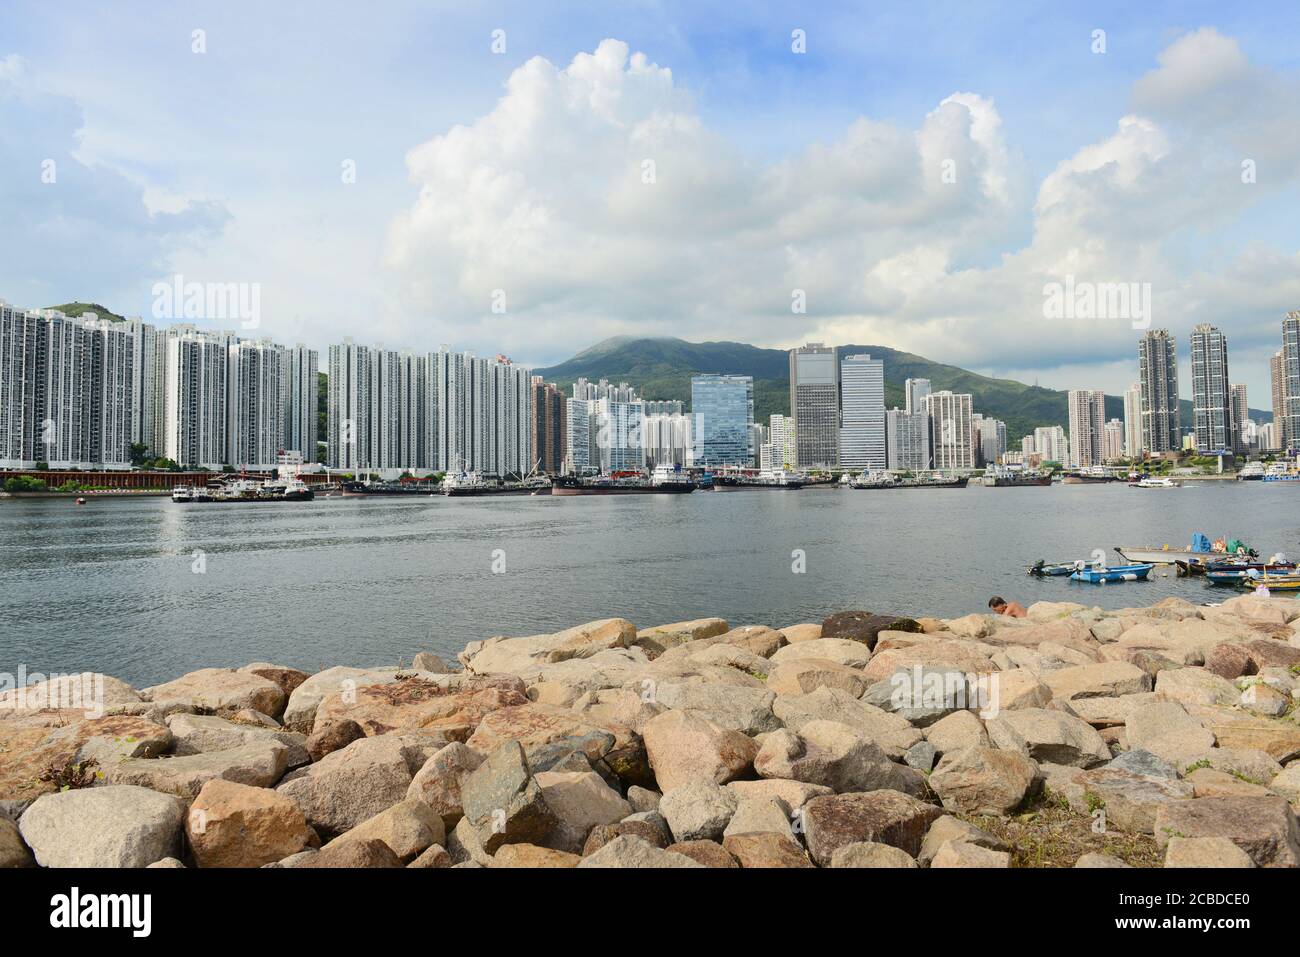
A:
[861, 741]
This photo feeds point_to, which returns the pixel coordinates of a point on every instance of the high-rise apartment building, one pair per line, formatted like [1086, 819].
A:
[951, 429]
[1243, 429]
[1291, 380]
[1087, 410]
[782, 439]
[196, 403]
[666, 439]
[546, 416]
[815, 405]
[1112, 441]
[255, 404]
[1050, 442]
[990, 439]
[348, 416]
[1277, 383]
[907, 440]
[1212, 414]
[1133, 421]
[300, 382]
[1162, 429]
[862, 413]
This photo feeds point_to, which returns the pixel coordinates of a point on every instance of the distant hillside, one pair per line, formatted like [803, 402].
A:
[661, 368]
[76, 309]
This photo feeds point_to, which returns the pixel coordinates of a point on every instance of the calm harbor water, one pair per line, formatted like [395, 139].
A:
[113, 585]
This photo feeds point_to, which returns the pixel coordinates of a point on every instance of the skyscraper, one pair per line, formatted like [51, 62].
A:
[20, 360]
[1133, 421]
[1087, 423]
[1291, 380]
[348, 408]
[781, 436]
[1277, 375]
[1211, 402]
[951, 432]
[1242, 427]
[907, 440]
[862, 413]
[1162, 428]
[1050, 442]
[195, 406]
[722, 407]
[990, 439]
[914, 393]
[815, 404]
[546, 411]
[1112, 443]
[255, 404]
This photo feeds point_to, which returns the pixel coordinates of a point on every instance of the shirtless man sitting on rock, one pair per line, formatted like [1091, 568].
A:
[1001, 606]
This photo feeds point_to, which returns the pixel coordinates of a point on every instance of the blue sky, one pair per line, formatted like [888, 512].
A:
[777, 171]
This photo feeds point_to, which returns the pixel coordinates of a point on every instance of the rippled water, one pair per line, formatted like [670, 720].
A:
[109, 586]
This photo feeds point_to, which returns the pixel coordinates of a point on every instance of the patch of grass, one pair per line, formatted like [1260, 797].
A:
[73, 775]
[1046, 833]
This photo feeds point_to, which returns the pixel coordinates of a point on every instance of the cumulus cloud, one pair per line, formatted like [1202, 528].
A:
[905, 237]
[74, 225]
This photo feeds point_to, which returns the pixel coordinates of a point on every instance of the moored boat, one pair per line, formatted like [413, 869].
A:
[1103, 574]
[663, 481]
[1042, 569]
[1155, 482]
[999, 477]
[1271, 582]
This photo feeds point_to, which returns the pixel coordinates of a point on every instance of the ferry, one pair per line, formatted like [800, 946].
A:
[1155, 482]
[1281, 472]
[1251, 472]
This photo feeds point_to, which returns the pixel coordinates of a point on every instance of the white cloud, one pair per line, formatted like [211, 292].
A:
[543, 197]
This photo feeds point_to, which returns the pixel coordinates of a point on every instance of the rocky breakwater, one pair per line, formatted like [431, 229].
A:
[1075, 737]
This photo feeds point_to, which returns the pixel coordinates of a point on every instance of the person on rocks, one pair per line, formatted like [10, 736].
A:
[1001, 606]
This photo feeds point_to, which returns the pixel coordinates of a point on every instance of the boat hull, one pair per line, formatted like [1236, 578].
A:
[1018, 483]
[621, 490]
[1138, 555]
[1105, 576]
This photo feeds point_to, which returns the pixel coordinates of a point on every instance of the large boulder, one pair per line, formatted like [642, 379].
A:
[963, 854]
[842, 651]
[871, 854]
[91, 692]
[805, 675]
[503, 801]
[794, 794]
[200, 734]
[287, 678]
[984, 780]
[408, 829]
[884, 816]
[352, 785]
[923, 694]
[1196, 686]
[1263, 827]
[259, 764]
[300, 711]
[439, 780]
[955, 731]
[235, 825]
[743, 709]
[1130, 800]
[761, 816]
[948, 828]
[1048, 735]
[533, 725]
[833, 755]
[655, 641]
[220, 689]
[864, 627]
[103, 827]
[1217, 852]
[683, 747]
[698, 810]
[40, 751]
[451, 706]
[632, 852]
[13, 852]
[1165, 729]
[765, 849]
[579, 801]
[1108, 679]
[527, 657]
[893, 733]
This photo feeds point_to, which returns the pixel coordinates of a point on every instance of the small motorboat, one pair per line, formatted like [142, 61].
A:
[81, 501]
[1103, 574]
[1042, 569]
[1271, 582]
[1229, 573]
[1155, 482]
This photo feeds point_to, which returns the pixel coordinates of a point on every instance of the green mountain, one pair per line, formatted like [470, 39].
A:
[661, 368]
[76, 309]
